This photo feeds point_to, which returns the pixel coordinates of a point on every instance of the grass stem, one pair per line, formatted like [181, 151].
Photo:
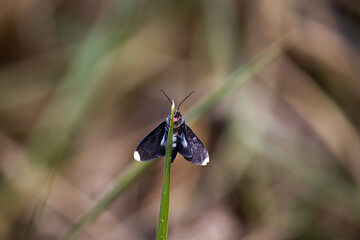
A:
[165, 192]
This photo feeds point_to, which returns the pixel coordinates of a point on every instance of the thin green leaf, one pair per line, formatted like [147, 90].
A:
[165, 192]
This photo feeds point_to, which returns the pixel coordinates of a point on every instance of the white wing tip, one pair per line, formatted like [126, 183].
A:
[206, 161]
[136, 156]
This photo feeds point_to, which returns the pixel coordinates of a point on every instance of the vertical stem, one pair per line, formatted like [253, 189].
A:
[165, 192]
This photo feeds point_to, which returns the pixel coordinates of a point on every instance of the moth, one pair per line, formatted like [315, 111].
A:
[184, 141]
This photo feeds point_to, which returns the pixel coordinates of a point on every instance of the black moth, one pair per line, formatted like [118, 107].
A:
[184, 141]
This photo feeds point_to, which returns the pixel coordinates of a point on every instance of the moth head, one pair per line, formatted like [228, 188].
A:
[177, 118]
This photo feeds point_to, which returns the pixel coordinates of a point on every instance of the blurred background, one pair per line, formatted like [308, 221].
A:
[79, 87]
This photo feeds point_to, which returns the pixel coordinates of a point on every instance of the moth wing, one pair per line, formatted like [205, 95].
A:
[152, 145]
[200, 155]
[184, 147]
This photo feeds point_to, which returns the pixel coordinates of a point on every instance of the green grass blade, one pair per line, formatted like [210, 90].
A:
[238, 78]
[165, 192]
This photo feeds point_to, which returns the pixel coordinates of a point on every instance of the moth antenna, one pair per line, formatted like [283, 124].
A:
[165, 95]
[185, 99]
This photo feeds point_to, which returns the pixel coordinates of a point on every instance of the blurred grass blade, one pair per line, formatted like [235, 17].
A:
[242, 75]
[165, 192]
[76, 90]
[128, 176]
[41, 202]
[81, 83]
[239, 77]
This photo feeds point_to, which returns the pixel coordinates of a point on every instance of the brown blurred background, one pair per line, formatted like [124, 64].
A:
[79, 87]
